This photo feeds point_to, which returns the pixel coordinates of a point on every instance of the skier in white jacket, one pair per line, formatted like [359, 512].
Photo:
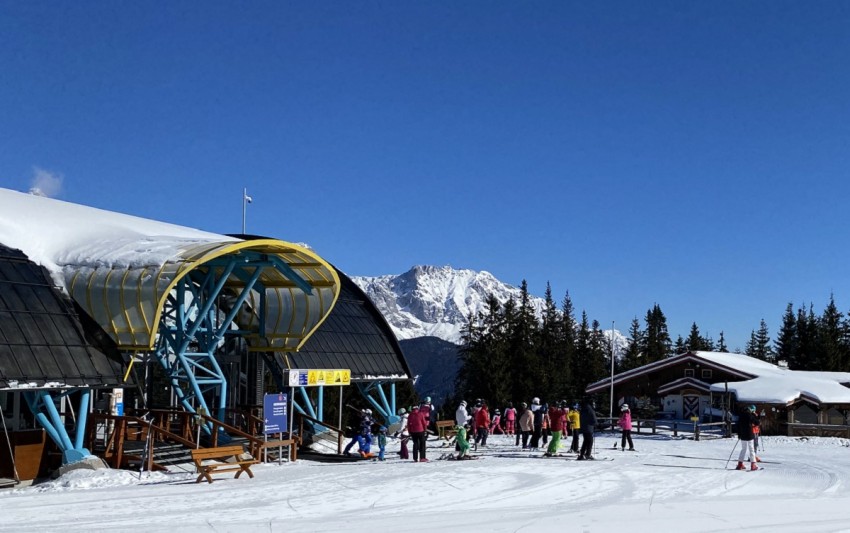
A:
[461, 416]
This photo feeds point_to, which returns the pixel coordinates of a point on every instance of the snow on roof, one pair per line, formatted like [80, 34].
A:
[53, 234]
[774, 384]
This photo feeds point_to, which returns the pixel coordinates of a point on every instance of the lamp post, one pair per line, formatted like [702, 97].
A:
[245, 201]
[611, 409]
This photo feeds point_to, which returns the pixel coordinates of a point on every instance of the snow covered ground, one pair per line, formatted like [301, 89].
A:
[668, 485]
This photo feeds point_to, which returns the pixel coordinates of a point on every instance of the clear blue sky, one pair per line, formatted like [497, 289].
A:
[693, 154]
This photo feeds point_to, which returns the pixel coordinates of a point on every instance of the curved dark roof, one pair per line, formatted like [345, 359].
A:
[42, 339]
[355, 336]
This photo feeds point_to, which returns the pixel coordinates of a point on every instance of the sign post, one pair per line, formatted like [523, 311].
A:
[274, 418]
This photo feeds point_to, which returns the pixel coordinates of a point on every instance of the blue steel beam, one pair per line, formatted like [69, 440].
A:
[43, 408]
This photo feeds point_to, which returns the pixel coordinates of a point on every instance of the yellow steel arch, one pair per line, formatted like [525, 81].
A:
[128, 302]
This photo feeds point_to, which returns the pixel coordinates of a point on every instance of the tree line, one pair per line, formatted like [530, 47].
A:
[508, 354]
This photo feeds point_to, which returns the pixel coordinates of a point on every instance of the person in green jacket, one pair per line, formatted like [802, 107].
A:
[462, 442]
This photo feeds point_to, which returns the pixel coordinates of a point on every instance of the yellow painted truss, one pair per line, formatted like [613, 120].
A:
[128, 302]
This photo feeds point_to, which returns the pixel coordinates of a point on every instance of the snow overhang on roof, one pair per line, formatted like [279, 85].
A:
[121, 269]
[788, 388]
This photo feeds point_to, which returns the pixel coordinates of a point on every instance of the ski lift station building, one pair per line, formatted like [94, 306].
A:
[101, 311]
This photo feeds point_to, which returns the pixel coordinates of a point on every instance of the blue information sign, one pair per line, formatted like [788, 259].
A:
[275, 410]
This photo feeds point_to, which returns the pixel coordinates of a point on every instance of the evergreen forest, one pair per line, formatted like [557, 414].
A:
[509, 354]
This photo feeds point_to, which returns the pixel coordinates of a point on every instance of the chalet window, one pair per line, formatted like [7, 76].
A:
[706, 373]
[689, 372]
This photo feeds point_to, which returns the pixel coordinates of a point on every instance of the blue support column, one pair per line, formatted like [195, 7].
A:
[82, 418]
[44, 409]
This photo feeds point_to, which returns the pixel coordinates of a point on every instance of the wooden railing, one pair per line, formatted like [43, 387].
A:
[818, 430]
[172, 425]
[339, 433]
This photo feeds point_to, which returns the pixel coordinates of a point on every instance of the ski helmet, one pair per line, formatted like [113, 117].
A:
[624, 407]
[368, 411]
[415, 408]
[536, 401]
[497, 411]
[402, 410]
[751, 408]
[427, 399]
[524, 405]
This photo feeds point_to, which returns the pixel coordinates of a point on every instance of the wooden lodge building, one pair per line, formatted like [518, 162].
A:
[708, 385]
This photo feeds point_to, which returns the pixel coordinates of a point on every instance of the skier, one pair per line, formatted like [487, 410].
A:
[556, 418]
[416, 426]
[538, 413]
[402, 431]
[746, 421]
[526, 424]
[510, 419]
[587, 418]
[482, 421]
[462, 442]
[357, 438]
[426, 410]
[461, 416]
[366, 435]
[382, 442]
[495, 426]
[575, 427]
[625, 423]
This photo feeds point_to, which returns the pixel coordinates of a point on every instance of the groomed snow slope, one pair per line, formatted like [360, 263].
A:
[668, 485]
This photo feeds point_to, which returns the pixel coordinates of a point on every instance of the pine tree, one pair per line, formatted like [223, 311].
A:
[807, 328]
[568, 341]
[656, 336]
[721, 344]
[548, 348]
[787, 343]
[830, 338]
[632, 356]
[680, 346]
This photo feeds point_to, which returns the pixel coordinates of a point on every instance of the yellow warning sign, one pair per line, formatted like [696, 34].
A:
[318, 378]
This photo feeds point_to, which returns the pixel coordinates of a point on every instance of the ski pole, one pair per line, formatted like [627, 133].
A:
[730, 453]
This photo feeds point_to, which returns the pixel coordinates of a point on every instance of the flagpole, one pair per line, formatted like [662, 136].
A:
[244, 205]
[611, 411]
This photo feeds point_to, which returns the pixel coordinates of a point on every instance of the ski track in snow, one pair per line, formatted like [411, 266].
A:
[669, 484]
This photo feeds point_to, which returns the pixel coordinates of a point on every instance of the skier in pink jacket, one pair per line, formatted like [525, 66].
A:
[510, 419]
[625, 423]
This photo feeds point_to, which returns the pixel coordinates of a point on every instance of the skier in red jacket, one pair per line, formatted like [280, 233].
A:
[482, 421]
[416, 425]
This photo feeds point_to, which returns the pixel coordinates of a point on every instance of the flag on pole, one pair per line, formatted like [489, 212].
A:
[248, 199]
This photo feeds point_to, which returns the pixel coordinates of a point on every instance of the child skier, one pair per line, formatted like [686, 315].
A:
[382, 442]
[403, 433]
[625, 424]
[495, 426]
[462, 441]
[510, 419]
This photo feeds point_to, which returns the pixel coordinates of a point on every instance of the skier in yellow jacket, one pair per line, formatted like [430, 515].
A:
[575, 426]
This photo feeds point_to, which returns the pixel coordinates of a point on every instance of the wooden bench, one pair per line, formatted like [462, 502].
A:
[446, 429]
[229, 460]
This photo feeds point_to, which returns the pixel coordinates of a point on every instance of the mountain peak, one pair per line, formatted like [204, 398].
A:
[436, 300]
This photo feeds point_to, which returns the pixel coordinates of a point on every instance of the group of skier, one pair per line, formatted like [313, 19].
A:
[411, 426]
[534, 424]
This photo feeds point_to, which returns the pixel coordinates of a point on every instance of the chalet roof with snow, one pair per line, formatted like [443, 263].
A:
[750, 379]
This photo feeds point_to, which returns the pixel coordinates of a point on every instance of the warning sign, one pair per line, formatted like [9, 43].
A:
[320, 378]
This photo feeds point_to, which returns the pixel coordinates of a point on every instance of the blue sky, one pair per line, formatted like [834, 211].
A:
[693, 154]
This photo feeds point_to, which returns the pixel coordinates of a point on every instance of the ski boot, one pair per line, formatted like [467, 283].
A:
[753, 466]
[740, 466]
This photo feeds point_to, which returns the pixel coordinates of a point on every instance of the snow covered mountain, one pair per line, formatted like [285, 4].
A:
[435, 301]
[432, 301]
